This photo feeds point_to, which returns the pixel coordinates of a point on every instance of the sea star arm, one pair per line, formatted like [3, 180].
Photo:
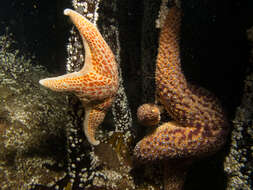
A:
[87, 86]
[94, 116]
[102, 58]
[67, 82]
[173, 141]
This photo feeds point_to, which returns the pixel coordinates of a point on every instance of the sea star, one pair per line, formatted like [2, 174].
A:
[200, 126]
[96, 84]
[149, 115]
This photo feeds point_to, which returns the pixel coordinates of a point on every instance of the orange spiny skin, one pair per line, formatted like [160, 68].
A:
[148, 114]
[200, 126]
[96, 83]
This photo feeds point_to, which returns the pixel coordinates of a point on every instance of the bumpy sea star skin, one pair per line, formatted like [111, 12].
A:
[200, 126]
[149, 114]
[96, 83]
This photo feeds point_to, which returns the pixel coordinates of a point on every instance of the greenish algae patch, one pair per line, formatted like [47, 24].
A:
[32, 124]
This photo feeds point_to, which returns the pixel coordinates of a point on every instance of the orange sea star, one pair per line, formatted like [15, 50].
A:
[149, 115]
[96, 83]
[200, 126]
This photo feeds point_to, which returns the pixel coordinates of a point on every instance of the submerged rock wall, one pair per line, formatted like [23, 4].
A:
[42, 145]
[32, 124]
[239, 162]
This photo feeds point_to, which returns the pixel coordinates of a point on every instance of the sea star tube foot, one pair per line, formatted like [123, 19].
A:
[96, 84]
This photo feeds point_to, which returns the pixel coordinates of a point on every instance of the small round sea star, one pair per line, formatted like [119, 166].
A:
[149, 114]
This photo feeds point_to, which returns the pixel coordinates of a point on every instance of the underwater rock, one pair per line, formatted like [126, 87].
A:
[32, 123]
[239, 162]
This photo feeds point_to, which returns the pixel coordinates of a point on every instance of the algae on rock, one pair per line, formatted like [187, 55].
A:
[32, 123]
[239, 162]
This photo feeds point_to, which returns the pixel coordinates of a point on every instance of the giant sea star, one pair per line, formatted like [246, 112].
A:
[200, 126]
[96, 83]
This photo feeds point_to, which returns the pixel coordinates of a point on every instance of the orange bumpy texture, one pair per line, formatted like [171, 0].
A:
[200, 126]
[96, 84]
[148, 114]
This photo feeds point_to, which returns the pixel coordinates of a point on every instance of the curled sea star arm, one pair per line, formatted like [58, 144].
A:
[94, 116]
[173, 141]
